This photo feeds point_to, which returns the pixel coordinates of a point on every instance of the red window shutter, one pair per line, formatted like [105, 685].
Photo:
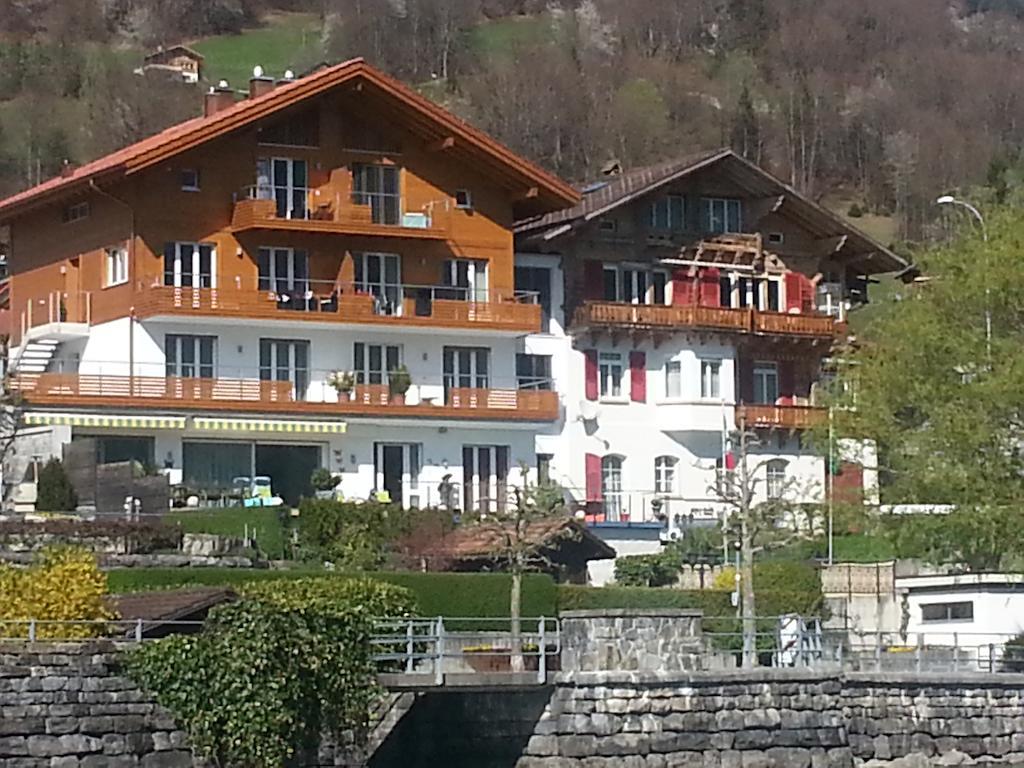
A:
[638, 377]
[808, 294]
[590, 373]
[593, 473]
[710, 291]
[593, 280]
[787, 382]
[682, 287]
[794, 292]
[746, 374]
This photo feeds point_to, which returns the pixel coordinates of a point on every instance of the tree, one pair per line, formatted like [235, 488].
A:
[55, 494]
[751, 519]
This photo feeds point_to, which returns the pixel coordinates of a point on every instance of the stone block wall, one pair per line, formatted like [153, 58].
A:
[655, 640]
[756, 719]
[66, 705]
[894, 715]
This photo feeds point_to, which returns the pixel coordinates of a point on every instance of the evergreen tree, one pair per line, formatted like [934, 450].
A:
[55, 492]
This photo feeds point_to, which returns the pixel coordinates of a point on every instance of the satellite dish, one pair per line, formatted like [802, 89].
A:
[223, 84]
[589, 410]
[257, 71]
[289, 75]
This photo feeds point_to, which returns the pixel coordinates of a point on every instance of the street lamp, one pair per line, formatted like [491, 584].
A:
[950, 200]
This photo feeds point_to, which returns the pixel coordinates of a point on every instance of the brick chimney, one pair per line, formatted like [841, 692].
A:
[67, 169]
[260, 84]
[218, 98]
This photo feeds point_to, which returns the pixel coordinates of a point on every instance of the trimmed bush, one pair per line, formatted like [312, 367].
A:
[55, 492]
[333, 596]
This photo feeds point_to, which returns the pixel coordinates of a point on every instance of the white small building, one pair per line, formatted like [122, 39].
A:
[967, 610]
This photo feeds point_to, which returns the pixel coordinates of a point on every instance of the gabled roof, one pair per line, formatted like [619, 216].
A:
[604, 195]
[172, 49]
[541, 191]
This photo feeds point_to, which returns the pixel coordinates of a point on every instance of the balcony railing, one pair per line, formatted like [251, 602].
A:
[308, 394]
[654, 316]
[387, 304]
[780, 416]
[313, 210]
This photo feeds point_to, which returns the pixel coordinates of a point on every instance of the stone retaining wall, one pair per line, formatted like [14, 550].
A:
[654, 640]
[66, 705]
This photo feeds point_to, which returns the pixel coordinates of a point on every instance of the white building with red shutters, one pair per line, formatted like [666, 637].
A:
[681, 301]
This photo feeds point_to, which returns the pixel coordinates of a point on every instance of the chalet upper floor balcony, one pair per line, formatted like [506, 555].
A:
[305, 393]
[604, 315]
[381, 304]
[301, 209]
[767, 416]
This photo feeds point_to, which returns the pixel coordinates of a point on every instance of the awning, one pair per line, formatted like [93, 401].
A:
[112, 421]
[270, 425]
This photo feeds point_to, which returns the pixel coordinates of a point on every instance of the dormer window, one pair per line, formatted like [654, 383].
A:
[75, 212]
[667, 214]
[189, 180]
[722, 215]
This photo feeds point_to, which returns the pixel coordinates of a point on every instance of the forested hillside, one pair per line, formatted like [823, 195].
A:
[879, 104]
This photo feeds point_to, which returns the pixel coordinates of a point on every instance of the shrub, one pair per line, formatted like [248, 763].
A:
[855, 211]
[323, 480]
[260, 685]
[645, 571]
[55, 492]
[64, 584]
[137, 538]
[353, 536]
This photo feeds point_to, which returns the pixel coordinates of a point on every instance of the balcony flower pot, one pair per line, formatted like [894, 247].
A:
[344, 382]
[399, 382]
[324, 483]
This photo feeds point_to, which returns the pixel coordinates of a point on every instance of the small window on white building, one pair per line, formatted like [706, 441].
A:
[960, 611]
[611, 371]
[776, 479]
[115, 266]
[673, 379]
[710, 379]
[665, 475]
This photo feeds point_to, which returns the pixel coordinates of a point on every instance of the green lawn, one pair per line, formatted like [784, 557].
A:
[285, 41]
[505, 36]
[269, 524]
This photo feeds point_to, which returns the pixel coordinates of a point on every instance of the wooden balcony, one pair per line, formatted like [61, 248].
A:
[780, 416]
[653, 316]
[276, 397]
[615, 315]
[337, 217]
[502, 314]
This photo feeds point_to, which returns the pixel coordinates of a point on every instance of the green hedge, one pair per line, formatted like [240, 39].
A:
[437, 594]
[268, 522]
[575, 598]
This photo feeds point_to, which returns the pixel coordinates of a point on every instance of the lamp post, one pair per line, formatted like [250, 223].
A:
[950, 200]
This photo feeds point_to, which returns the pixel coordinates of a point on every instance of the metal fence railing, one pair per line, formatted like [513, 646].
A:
[64, 630]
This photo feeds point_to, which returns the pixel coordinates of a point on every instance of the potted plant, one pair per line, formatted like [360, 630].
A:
[324, 483]
[343, 382]
[399, 382]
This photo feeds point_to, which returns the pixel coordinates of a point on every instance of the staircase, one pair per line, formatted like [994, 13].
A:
[34, 356]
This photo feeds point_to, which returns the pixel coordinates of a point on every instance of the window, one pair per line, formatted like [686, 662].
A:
[710, 379]
[725, 290]
[774, 305]
[722, 215]
[284, 180]
[380, 274]
[611, 487]
[673, 379]
[190, 356]
[378, 187]
[668, 214]
[190, 180]
[283, 270]
[190, 265]
[634, 284]
[485, 477]
[610, 370]
[776, 238]
[544, 468]
[533, 371]
[608, 226]
[468, 274]
[466, 368]
[962, 611]
[116, 263]
[463, 199]
[537, 280]
[776, 479]
[766, 383]
[397, 472]
[373, 362]
[286, 360]
[75, 212]
[665, 475]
